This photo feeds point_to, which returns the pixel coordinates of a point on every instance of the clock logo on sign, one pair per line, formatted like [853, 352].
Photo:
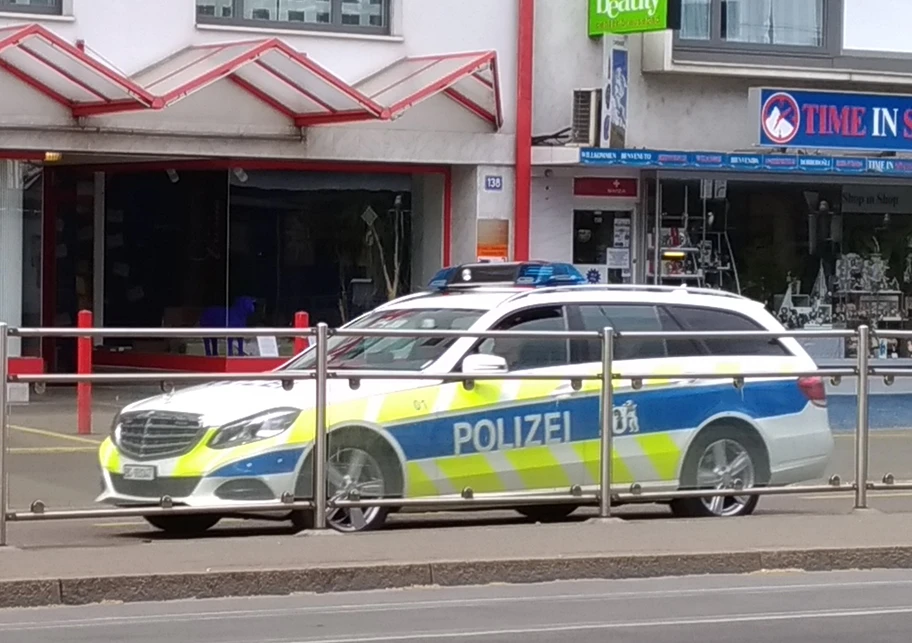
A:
[780, 118]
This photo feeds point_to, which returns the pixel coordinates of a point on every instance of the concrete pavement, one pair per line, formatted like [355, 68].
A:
[153, 569]
[844, 607]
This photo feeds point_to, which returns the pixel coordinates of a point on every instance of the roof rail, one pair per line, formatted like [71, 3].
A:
[630, 287]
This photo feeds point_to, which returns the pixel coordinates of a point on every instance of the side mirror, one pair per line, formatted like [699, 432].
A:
[479, 363]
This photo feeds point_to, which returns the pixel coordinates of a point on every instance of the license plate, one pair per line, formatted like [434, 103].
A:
[136, 472]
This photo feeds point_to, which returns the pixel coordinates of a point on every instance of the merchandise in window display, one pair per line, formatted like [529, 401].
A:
[811, 310]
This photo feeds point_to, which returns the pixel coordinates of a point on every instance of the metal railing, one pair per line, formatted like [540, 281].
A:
[320, 503]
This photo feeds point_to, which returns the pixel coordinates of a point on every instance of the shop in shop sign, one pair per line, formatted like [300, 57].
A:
[824, 120]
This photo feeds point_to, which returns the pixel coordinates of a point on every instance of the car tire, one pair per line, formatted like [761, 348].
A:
[189, 525]
[722, 456]
[547, 513]
[380, 466]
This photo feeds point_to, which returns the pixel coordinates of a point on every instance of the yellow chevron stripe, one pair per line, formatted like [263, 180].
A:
[408, 405]
[419, 484]
[470, 471]
[485, 393]
[663, 453]
[109, 457]
[589, 452]
[538, 468]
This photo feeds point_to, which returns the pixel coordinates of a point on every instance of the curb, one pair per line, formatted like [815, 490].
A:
[183, 586]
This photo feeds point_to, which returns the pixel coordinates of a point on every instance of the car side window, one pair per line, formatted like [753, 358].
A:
[624, 317]
[530, 353]
[692, 318]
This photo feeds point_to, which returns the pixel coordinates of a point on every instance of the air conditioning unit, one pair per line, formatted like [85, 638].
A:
[585, 128]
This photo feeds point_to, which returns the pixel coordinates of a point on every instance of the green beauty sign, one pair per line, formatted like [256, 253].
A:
[630, 16]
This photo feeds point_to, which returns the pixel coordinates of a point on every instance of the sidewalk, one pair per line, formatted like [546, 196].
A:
[170, 569]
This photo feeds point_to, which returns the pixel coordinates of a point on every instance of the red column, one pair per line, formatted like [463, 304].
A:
[301, 320]
[523, 196]
[84, 367]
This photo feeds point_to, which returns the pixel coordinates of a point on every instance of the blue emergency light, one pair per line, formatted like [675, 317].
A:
[532, 274]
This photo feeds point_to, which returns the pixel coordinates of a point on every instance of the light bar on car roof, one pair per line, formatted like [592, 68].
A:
[532, 274]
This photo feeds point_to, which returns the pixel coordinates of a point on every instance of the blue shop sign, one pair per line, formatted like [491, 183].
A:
[825, 120]
[747, 163]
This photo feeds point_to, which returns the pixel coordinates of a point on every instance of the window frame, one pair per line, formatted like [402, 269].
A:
[703, 344]
[718, 49]
[334, 26]
[583, 346]
[562, 307]
[56, 10]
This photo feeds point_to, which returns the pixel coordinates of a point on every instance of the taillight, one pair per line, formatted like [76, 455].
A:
[814, 389]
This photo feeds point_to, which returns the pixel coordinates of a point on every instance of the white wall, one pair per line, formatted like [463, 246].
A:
[871, 25]
[565, 59]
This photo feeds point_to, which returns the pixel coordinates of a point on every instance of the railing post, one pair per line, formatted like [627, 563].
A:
[4, 429]
[84, 367]
[301, 320]
[861, 430]
[319, 449]
[607, 423]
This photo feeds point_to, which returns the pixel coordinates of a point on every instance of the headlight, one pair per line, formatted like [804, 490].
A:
[259, 427]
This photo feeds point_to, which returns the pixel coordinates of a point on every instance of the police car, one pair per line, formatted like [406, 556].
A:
[230, 443]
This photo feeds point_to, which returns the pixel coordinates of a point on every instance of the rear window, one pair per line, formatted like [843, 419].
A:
[692, 318]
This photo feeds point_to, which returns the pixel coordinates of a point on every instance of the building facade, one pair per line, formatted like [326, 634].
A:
[769, 143]
[170, 161]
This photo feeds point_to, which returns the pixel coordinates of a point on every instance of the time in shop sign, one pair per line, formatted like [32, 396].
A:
[832, 120]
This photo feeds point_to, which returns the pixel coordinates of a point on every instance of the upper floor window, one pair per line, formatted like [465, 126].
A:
[800, 26]
[357, 16]
[52, 7]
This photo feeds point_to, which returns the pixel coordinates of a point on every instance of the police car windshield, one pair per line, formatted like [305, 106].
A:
[393, 353]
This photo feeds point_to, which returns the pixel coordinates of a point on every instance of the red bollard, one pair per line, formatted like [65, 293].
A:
[84, 367]
[301, 320]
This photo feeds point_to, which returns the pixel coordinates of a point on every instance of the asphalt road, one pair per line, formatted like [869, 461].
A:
[50, 462]
[842, 607]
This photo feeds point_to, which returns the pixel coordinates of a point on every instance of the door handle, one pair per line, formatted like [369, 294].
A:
[563, 391]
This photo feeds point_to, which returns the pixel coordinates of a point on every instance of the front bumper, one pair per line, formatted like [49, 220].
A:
[203, 477]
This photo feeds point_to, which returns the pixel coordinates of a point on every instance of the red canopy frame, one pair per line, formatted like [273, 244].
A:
[279, 76]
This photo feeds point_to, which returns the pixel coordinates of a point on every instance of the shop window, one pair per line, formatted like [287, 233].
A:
[358, 16]
[800, 27]
[530, 353]
[52, 7]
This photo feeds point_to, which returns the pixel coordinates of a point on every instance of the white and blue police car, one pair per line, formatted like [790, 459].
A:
[232, 443]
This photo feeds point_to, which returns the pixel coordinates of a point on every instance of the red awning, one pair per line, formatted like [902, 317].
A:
[270, 70]
[470, 79]
[65, 73]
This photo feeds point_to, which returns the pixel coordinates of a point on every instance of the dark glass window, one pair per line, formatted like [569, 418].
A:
[759, 25]
[370, 16]
[52, 7]
[530, 353]
[693, 318]
[629, 318]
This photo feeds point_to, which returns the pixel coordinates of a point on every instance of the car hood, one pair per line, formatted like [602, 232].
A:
[223, 402]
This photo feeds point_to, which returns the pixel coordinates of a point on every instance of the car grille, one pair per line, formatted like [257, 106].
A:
[172, 487]
[151, 435]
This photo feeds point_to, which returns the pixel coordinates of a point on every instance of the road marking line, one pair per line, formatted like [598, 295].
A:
[845, 495]
[53, 434]
[50, 450]
[893, 435]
